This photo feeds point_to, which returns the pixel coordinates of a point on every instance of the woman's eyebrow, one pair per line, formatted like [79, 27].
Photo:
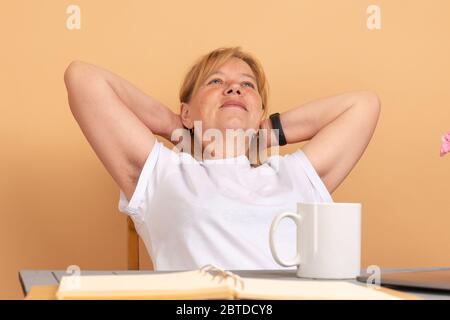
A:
[242, 74]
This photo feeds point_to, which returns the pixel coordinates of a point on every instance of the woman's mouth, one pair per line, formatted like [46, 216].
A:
[234, 104]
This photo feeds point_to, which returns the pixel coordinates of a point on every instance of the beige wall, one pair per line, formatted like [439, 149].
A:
[59, 205]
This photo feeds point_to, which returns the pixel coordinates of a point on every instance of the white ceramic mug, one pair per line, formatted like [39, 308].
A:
[328, 240]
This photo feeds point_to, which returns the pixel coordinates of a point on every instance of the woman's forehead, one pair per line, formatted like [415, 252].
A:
[243, 74]
[235, 65]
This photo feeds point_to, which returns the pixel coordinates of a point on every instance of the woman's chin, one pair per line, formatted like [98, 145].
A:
[234, 122]
[235, 126]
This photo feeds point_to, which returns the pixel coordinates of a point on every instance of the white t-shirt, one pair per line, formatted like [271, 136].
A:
[191, 213]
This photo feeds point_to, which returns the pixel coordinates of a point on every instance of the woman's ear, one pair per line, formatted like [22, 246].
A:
[185, 116]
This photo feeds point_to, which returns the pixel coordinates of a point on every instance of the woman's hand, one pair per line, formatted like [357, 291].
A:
[172, 123]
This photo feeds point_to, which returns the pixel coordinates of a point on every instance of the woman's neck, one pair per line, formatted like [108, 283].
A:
[216, 150]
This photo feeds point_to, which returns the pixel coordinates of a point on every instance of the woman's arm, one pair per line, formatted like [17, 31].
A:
[153, 114]
[104, 106]
[339, 127]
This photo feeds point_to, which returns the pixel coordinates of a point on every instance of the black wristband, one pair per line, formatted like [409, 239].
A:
[276, 124]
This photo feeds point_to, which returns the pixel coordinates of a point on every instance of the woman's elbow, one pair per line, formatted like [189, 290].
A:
[71, 72]
[76, 70]
[373, 99]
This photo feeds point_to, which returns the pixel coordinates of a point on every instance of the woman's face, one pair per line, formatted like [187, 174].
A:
[234, 81]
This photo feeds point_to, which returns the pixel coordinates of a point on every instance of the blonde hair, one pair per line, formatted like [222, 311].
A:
[211, 62]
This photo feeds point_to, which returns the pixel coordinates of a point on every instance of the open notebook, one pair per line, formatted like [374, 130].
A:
[211, 282]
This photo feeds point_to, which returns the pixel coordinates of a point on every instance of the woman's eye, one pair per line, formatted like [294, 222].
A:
[214, 80]
[245, 83]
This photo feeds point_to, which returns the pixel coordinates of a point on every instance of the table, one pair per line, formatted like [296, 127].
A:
[30, 278]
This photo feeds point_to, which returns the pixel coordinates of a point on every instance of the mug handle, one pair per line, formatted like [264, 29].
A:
[297, 219]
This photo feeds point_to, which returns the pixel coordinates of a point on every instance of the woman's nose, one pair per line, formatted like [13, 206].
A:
[233, 89]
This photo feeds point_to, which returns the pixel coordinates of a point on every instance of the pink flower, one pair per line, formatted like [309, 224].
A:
[445, 147]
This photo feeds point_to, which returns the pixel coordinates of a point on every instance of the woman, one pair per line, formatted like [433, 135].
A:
[216, 206]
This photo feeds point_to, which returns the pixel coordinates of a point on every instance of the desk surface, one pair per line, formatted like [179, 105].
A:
[30, 278]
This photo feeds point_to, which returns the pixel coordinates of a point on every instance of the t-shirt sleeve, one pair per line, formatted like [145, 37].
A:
[148, 179]
[299, 161]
